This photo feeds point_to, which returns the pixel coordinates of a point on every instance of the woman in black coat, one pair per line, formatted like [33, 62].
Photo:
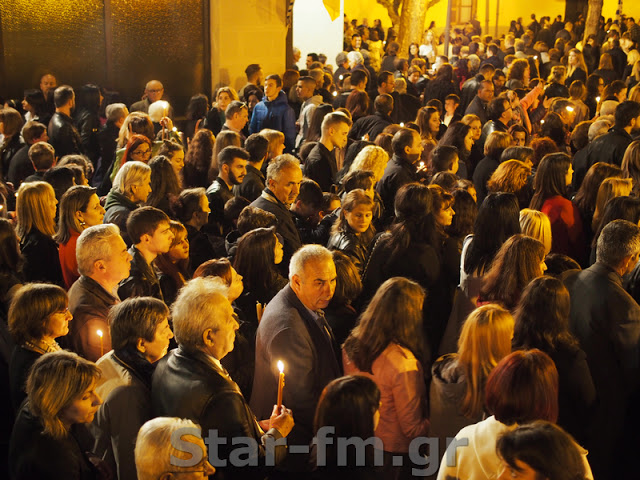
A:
[542, 322]
[49, 438]
[36, 208]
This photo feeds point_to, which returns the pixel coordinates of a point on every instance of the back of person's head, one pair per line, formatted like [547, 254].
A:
[62, 95]
[485, 339]
[348, 406]
[42, 155]
[115, 112]
[536, 224]
[161, 449]
[251, 218]
[32, 130]
[523, 154]
[33, 208]
[542, 316]
[443, 158]
[234, 107]
[393, 315]
[310, 194]
[363, 179]
[626, 112]
[61, 179]
[188, 203]
[54, 382]
[523, 387]
[383, 104]
[619, 240]
[257, 146]
[348, 284]
[598, 128]
[144, 221]
[545, 448]
[11, 121]
[497, 220]
[252, 70]
[551, 178]
[496, 143]
[216, 267]
[134, 319]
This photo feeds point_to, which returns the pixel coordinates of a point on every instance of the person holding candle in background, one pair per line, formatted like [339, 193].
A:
[103, 261]
[293, 330]
[190, 382]
[140, 335]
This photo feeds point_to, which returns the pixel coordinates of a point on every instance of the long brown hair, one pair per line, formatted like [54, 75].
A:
[550, 179]
[516, 264]
[178, 271]
[393, 316]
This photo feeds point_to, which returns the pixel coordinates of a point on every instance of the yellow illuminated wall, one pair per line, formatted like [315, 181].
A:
[509, 10]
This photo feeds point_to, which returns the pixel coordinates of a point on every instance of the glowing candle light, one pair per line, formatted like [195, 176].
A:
[280, 383]
[402, 124]
[335, 94]
[569, 109]
[597, 99]
[100, 334]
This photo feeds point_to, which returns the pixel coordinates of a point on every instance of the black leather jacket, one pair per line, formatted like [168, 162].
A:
[63, 135]
[142, 281]
[190, 385]
[351, 245]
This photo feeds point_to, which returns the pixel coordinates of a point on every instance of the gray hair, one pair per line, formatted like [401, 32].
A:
[94, 244]
[474, 61]
[597, 128]
[131, 173]
[155, 446]
[280, 163]
[197, 308]
[341, 58]
[306, 254]
[618, 240]
[355, 57]
[115, 111]
[608, 107]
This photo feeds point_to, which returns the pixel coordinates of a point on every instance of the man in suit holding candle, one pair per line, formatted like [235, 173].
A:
[293, 329]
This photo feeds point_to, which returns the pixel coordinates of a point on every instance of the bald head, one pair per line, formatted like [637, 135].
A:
[154, 90]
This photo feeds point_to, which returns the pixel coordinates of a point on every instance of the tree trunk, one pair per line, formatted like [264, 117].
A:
[411, 27]
[392, 10]
[593, 19]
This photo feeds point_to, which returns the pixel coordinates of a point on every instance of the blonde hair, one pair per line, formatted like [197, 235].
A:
[371, 158]
[610, 188]
[485, 339]
[510, 176]
[536, 224]
[275, 138]
[130, 174]
[55, 381]
[33, 207]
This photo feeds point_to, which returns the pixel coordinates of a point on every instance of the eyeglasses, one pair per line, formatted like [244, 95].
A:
[143, 153]
[156, 90]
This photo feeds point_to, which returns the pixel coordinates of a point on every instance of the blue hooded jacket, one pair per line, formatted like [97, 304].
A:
[278, 115]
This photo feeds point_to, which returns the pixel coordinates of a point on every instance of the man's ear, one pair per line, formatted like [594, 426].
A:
[296, 283]
[141, 345]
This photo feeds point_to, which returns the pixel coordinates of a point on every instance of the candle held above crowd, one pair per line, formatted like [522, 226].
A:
[430, 253]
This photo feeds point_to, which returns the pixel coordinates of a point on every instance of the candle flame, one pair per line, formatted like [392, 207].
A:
[402, 124]
[597, 99]
[280, 366]
[99, 332]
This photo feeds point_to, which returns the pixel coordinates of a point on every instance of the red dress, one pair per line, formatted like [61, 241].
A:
[566, 227]
[68, 262]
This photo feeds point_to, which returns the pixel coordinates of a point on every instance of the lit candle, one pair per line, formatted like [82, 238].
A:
[402, 124]
[280, 383]
[597, 100]
[99, 332]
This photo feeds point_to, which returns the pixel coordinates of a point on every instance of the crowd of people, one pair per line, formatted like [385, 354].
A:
[424, 245]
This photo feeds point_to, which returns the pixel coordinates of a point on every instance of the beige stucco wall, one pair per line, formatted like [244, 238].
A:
[243, 32]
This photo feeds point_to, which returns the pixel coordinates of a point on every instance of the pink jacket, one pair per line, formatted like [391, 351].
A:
[400, 378]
